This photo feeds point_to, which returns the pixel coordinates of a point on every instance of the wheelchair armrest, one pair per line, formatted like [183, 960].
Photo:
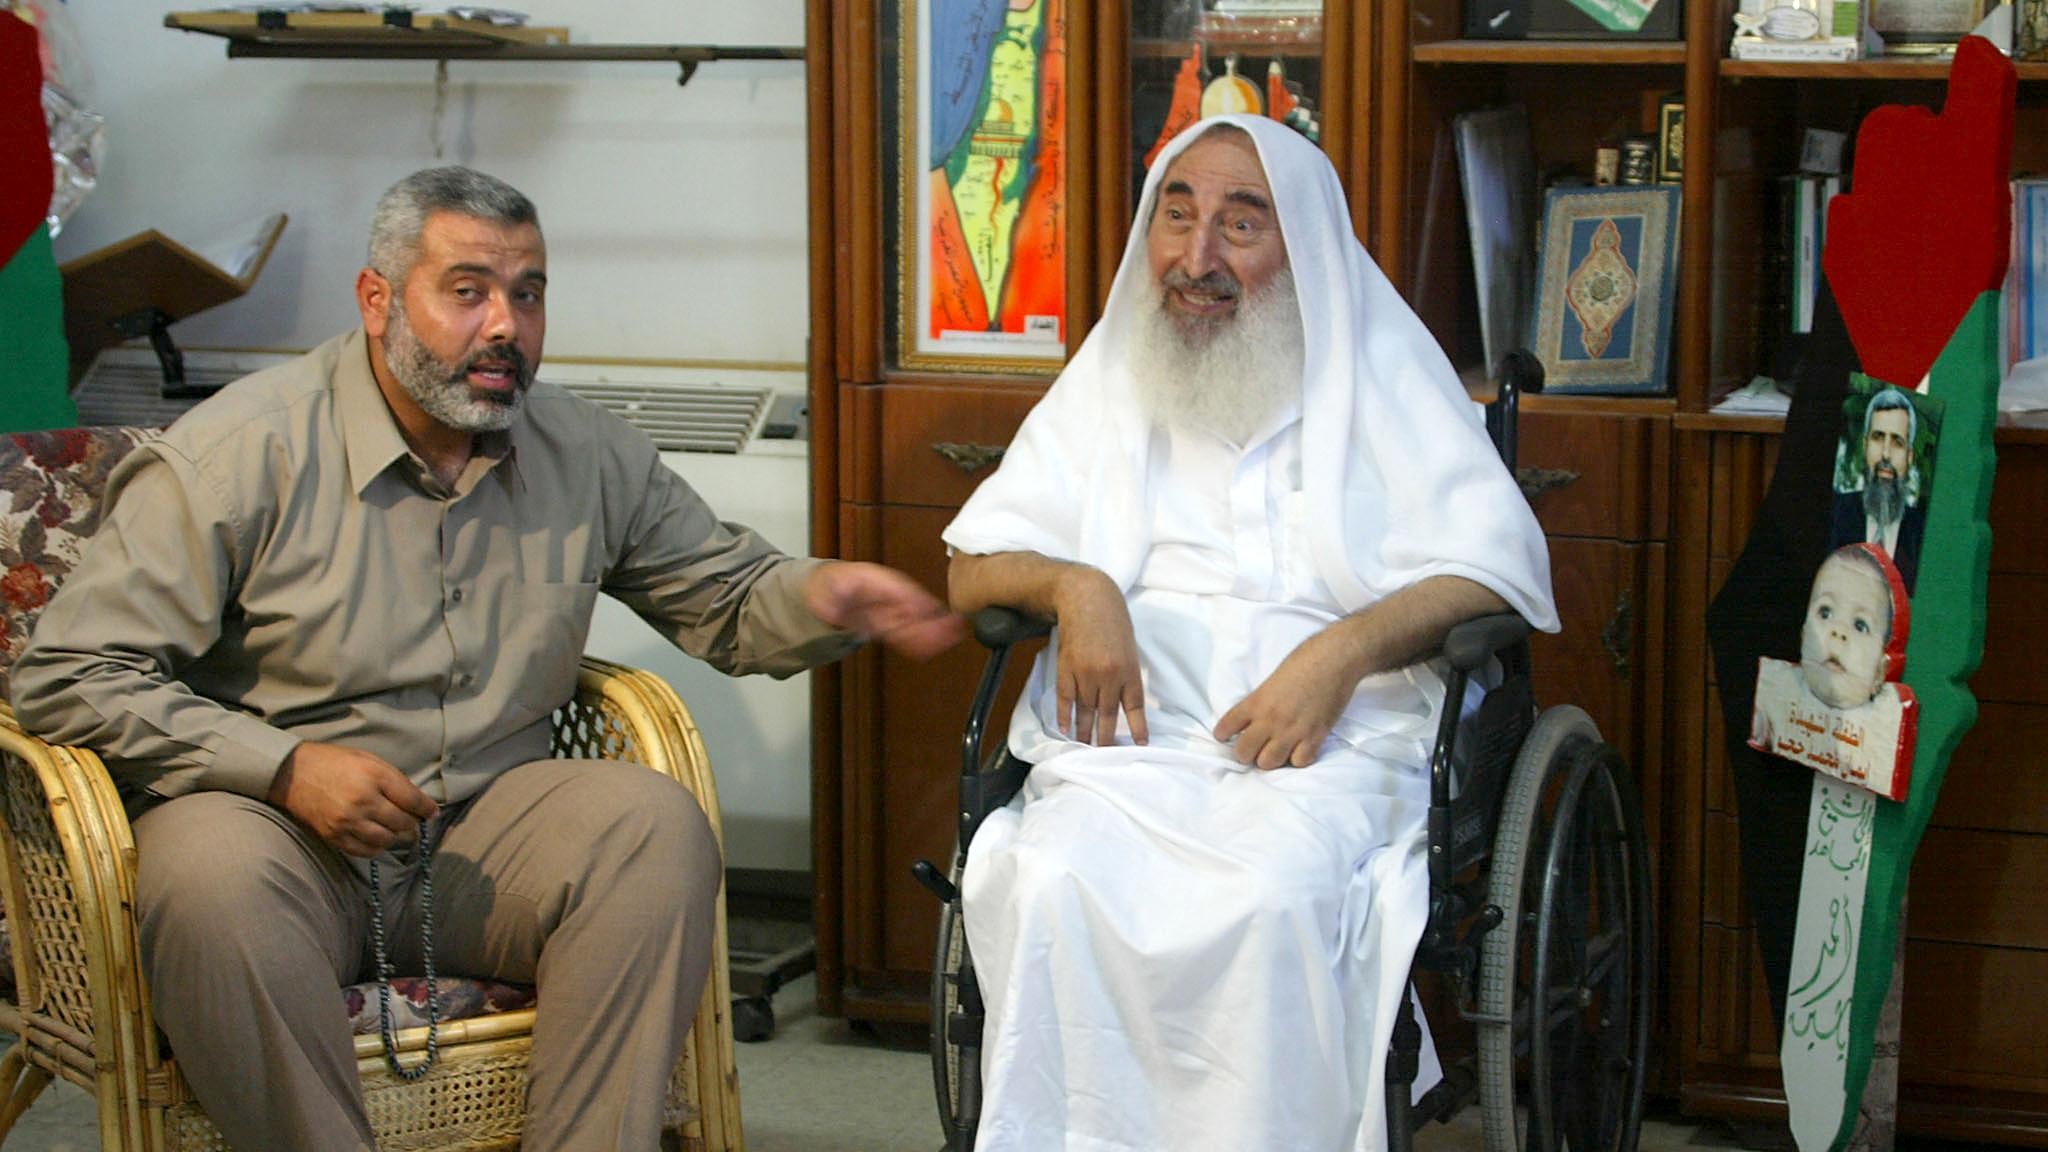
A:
[999, 627]
[1471, 644]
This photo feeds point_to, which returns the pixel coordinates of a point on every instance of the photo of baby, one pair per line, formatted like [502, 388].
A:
[1840, 709]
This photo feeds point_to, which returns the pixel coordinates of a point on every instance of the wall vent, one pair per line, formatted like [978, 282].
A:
[132, 393]
[683, 417]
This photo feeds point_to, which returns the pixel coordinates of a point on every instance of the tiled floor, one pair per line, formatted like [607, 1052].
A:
[826, 1086]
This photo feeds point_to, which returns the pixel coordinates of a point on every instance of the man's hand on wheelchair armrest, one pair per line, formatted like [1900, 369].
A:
[1470, 644]
[882, 604]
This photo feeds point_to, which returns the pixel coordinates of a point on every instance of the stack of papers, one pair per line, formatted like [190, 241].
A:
[1760, 397]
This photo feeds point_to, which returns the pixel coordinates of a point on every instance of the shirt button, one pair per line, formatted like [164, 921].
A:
[456, 595]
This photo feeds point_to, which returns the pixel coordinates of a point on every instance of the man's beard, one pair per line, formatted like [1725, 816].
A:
[442, 389]
[1228, 376]
[1884, 499]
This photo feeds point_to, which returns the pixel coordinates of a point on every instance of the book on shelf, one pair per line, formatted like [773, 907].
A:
[1497, 177]
[1806, 196]
[2024, 318]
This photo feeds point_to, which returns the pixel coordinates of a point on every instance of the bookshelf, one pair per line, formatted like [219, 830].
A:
[1664, 496]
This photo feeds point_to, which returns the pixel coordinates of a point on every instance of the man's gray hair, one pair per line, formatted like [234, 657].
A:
[1888, 399]
[402, 212]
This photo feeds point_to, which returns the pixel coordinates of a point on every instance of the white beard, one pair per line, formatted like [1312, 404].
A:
[1230, 379]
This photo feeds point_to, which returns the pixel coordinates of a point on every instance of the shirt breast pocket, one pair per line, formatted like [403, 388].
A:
[543, 644]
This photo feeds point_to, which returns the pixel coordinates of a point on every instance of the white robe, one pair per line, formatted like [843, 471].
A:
[1179, 952]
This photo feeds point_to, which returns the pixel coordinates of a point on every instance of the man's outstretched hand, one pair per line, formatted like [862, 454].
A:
[882, 604]
[356, 802]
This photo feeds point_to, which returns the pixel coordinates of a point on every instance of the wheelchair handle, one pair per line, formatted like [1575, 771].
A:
[1471, 644]
[999, 627]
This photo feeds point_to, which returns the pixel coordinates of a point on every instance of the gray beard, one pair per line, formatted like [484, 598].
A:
[1229, 378]
[442, 390]
[1884, 501]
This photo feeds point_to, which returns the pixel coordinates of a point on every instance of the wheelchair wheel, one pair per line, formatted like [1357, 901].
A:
[1564, 992]
[946, 1054]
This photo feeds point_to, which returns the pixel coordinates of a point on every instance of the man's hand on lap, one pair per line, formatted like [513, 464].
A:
[1285, 720]
[356, 802]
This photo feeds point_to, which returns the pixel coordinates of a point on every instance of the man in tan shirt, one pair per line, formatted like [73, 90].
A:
[333, 609]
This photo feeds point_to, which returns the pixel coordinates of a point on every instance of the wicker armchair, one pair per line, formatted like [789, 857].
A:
[80, 1010]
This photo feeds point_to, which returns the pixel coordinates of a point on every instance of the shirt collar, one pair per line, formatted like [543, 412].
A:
[370, 431]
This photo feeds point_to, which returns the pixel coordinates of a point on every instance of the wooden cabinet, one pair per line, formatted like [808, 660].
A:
[1660, 498]
[900, 437]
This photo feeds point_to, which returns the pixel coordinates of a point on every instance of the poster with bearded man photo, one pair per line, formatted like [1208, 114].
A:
[1884, 471]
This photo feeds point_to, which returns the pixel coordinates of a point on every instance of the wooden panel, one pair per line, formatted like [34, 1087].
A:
[1973, 887]
[1599, 475]
[921, 424]
[1995, 781]
[1973, 1016]
[1594, 661]
[2017, 619]
[2019, 492]
[921, 708]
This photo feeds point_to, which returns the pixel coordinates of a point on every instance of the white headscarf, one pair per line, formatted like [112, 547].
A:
[1395, 457]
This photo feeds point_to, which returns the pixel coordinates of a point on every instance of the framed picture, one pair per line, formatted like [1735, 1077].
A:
[982, 110]
[1606, 284]
[1907, 25]
[1671, 139]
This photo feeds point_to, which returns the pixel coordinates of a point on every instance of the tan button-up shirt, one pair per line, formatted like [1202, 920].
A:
[280, 567]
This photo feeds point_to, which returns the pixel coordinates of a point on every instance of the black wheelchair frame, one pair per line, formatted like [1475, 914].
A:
[1540, 916]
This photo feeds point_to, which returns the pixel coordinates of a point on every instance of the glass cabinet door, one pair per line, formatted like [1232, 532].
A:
[1195, 58]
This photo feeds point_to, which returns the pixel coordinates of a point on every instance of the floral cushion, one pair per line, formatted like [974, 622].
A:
[50, 487]
[460, 999]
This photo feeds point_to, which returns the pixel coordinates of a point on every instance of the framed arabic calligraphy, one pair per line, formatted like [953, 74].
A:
[981, 122]
[1606, 285]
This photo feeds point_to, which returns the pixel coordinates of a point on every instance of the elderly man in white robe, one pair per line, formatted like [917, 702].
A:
[1253, 504]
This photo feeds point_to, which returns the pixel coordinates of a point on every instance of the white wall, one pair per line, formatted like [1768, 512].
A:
[675, 219]
[675, 216]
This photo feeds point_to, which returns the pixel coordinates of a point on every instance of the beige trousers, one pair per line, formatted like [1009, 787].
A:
[595, 881]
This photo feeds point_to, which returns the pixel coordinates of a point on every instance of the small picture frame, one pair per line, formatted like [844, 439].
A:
[1671, 139]
[1606, 288]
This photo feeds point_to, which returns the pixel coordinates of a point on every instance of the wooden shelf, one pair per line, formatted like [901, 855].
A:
[435, 36]
[1933, 69]
[2013, 427]
[1552, 52]
[1174, 49]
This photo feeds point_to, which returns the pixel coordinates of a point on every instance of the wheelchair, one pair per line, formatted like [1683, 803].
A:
[1540, 922]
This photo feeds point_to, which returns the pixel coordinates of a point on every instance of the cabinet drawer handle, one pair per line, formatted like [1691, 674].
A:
[969, 458]
[1536, 481]
[1616, 636]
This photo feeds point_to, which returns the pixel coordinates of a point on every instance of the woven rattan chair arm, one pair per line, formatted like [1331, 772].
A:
[78, 974]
